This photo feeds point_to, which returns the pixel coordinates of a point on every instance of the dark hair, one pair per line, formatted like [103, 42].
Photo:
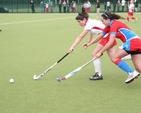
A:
[82, 15]
[111, 16]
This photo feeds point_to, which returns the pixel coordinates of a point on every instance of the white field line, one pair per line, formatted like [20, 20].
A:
[21, 22]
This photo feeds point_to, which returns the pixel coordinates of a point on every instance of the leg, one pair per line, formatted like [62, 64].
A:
[97, 64]
[116, 58]
[132, 17]
[137, 61]
[127, 18]
[110, 52]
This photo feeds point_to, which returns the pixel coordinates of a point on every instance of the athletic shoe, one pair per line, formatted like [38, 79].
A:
[96, 77]
[131, 77]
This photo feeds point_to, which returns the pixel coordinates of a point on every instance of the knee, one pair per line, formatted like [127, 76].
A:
[94, 53]
[112, 59]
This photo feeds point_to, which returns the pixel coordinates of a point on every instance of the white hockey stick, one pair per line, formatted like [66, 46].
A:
[73, 72]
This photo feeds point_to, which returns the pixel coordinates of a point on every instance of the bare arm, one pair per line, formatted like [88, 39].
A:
[96, 39]
[78, 40]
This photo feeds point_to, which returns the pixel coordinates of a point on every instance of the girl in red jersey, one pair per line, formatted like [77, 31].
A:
[131, 44]
[130, 13]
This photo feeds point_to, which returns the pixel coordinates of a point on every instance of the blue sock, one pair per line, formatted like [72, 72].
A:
[125, 67]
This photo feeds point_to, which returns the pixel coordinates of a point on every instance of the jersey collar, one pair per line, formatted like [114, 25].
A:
[111, 21]
[86, 21]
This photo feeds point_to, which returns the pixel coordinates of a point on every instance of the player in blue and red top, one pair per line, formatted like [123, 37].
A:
[131, 44]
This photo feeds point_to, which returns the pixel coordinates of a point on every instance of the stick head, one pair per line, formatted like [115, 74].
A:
[58, 79]
[35, 77]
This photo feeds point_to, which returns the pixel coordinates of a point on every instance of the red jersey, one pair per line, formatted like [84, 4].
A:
[121, 30]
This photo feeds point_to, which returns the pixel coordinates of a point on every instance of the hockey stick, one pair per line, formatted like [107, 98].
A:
[35, 77]
[73, 72]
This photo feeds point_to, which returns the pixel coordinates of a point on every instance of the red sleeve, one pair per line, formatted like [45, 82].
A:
[106, 29]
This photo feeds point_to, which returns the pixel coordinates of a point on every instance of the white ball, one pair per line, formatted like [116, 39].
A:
[11, 80]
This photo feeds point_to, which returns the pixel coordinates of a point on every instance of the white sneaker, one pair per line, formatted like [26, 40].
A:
[132, 76]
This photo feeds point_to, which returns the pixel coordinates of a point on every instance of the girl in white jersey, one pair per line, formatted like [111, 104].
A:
[130, 13]
[94, 27]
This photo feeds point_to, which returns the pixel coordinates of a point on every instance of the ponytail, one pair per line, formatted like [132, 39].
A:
[82, 15]
[111, 16]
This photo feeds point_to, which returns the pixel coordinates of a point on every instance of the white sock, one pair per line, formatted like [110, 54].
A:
[97, 66]
[128, 57]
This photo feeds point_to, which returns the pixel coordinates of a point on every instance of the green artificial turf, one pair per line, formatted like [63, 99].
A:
[31, 43]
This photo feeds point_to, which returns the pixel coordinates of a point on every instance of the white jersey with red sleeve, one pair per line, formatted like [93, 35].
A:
[131, 7]
[94, 26]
